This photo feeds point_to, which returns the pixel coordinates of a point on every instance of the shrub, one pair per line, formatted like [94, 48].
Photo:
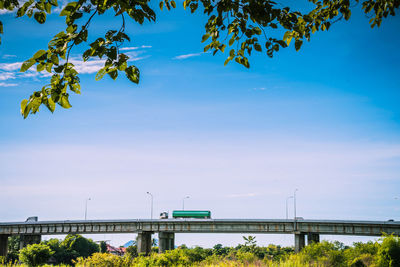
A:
[36, 254]
[246, 257]
[389, 252]
[101, 260]
[363, 260]
[131, 251]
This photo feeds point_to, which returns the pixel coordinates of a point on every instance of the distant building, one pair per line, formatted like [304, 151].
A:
[116, 251]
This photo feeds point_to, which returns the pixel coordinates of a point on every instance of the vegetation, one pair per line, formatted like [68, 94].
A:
[35, 254]
[244, 26]
[382, 253]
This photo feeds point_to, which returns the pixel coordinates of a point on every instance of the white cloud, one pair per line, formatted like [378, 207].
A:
[91, 66]
[5, 11]
[10, 70]
[135, 47]
[8, 84]
[8, 56]
[187, 56]
[260, 89]
[7, 76]
[10, 66]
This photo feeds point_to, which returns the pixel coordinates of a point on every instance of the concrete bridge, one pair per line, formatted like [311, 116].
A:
[31, 231]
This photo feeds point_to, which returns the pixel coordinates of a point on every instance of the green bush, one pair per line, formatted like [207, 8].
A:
[101, 260]
[13, 248]
[246, 257]
[362, 252]
[72, 247]
[363, 260]
[36, 254]
[389, 252]
[131, 251]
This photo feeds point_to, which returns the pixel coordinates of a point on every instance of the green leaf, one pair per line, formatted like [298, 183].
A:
[273, 25]
[23, 107]
[287, 37]
[48, 7]
[227, 61]
[27, 64]
[161, 5]
[40, 67]
[282, 43]
[53, 2]
[257, 47]
[133, 74]
[59, 69]
[298, 44]
[48, 67]
[64, 102]
[113, 74]
[54, 59]
[68, 8]
[100, 74]
[173, 4]
[39, 54]
[257, 30]
[50, 104]
[40, 17]
[205, 37]
[1, 27]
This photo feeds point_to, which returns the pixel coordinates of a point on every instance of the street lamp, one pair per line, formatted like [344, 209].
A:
[287, 215]
[183, 202]
[151, 216]
[86, 201]
[294, 201]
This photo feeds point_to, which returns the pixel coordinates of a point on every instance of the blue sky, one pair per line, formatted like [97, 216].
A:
[325, 120]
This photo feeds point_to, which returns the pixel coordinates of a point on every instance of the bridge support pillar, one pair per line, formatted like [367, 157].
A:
[29, 240]
[3, 245]
[299, 241]
[166, 241]
[144, 242]
[312, 238]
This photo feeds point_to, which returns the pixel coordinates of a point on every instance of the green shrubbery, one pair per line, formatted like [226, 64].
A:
[83, 252]
[72, 247]
[389, 252]
[35, 255]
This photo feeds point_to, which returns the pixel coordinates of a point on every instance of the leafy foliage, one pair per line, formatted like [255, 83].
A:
[103, 247]
[102, 260]
[254, 24]
[72, 247]
[389, 251]
[131, 251]
[36, 254]
[13, 248]
[243, 25]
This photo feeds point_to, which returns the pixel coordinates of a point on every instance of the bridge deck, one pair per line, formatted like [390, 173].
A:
[256, 226]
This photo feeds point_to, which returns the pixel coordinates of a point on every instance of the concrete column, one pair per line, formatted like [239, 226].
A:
[312, 238]
[166, 241]
[144, 242]
[299, 242]
[3, 245]
[29, 240]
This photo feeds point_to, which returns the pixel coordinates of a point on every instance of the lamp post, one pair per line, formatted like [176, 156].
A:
[86, 201]
[294, 201]
[183, 202]
[151, 216]
[287, 214]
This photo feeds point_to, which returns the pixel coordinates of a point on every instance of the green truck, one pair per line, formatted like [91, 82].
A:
[198, 214]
